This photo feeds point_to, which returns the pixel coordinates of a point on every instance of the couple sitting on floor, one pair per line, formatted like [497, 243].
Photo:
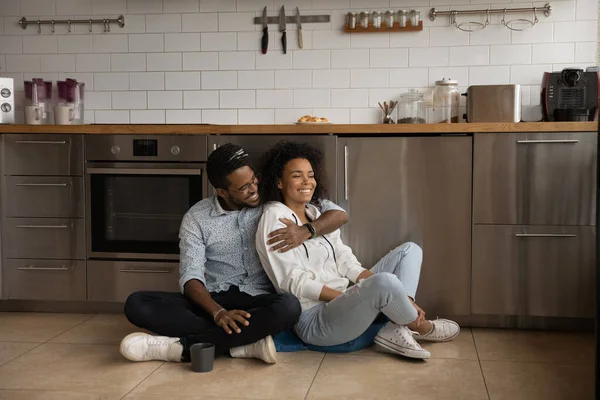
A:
[278, 232]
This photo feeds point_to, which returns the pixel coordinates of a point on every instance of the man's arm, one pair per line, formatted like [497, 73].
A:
[332, 218]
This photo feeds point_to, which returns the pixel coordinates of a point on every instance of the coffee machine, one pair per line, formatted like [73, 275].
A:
[7, 101]
[570, 95]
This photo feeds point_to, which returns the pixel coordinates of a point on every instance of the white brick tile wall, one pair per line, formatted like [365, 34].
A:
[139, 43]
[297, 79]
[182, 42]
[219, 80]
[147, 81]
[256, 79]
[191, 61]
[256, 117]
[204, 61]
[115, 81]
[275, 98]
[165, 100]
[201, 99]
[182, 80]
[147, 117]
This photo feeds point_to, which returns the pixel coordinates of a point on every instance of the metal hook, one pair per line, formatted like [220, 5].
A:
[90, 25]
[535, 18]
[53, 27]
[39, 26]
[107, 25]
[503, 22]
[69, 22]
[487, 17]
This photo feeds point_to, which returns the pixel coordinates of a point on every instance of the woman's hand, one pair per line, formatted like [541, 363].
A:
[288, 238]
[227, 319]
[420, 313]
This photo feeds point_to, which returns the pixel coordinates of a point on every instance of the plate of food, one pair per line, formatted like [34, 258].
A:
[310, 120]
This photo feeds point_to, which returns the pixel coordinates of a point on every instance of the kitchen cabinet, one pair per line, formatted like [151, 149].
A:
[257, 145]
[546, 271]
[535, 178]
[412, 189]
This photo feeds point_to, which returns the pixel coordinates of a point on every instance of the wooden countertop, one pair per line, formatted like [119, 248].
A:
[372, 129]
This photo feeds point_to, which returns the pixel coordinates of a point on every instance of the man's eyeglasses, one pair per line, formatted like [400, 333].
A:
[244, 189]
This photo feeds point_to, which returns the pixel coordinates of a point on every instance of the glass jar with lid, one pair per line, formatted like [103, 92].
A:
[411, 108]
[446, 100]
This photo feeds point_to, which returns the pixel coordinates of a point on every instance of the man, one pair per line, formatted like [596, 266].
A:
[227, 298]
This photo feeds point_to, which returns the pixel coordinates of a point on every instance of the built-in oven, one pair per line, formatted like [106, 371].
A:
[138, 190]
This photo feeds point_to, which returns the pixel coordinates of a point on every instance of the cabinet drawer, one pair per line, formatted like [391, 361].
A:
[533, 270]
[114, 281]
[43, 154]
[59, 280]
[39, 196]
[45, 238]
[535, 179]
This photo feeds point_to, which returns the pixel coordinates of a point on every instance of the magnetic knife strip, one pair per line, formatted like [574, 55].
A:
[308, 19]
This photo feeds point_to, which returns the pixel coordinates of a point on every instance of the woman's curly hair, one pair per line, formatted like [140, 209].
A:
[274, 161]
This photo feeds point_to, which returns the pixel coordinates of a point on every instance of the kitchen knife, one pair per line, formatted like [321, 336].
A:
[282, 29]
[265, 36]
[299, 24]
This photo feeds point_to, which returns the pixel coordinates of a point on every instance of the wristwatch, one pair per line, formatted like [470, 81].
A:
[312, 230]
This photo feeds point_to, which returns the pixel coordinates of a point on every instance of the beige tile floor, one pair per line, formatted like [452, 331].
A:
[73, 357]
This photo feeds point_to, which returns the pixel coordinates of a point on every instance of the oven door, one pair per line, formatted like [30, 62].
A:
[134, 210]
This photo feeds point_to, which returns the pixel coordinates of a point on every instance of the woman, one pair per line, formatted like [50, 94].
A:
[320, 271]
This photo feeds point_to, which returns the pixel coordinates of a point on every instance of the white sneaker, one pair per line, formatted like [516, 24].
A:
[143, 347]
[443, 330]
[398, 339]
[264, 349]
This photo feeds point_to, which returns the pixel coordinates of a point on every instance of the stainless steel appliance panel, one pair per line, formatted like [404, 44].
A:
[257, 145]
[494, 103]
[57, 280]
[535, 178]
[43, 196]
[40, 154]
[169, 148]
[114, 281]
[543, 271]
[412, 189]
[45, 238]
[7, 100]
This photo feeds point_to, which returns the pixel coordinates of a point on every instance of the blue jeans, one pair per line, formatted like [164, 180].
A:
[349, 315]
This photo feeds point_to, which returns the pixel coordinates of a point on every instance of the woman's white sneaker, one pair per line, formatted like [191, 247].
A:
[398, 339]
[443, 330]
[143, 347]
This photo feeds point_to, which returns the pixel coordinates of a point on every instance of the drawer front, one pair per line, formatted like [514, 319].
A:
[43, 154]
[45, 238]
[535, 179]
[39, 196]
[114, 281]
[534, 270]
[59, 280]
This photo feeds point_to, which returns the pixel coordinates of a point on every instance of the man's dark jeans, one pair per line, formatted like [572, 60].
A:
[174, 315]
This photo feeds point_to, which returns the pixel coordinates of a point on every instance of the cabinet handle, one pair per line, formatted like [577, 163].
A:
[34, 268]
[42, 184]
[346, 173]
[548, 235]
[146, 271]
[43, 226]
[550, 141]
[41, 141]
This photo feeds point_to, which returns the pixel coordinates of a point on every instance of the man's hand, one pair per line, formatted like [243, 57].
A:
[227, 320]
[420, 313]
[287, 238]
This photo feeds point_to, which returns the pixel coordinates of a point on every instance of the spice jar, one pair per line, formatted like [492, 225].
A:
[411, 108]
[363, 20]
[402, 18]
[351, 20]
[388, 19]
[446, 100]
[376, 19]
[415, 17]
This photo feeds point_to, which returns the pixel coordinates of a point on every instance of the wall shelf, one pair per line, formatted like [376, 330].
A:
[384, 28]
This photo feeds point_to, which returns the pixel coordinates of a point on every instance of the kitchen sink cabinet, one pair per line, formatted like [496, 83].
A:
[412, 189]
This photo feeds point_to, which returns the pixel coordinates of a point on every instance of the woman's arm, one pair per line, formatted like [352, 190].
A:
[346, 263]
[328, 294]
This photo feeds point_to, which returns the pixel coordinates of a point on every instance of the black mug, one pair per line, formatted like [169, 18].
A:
[203, 357]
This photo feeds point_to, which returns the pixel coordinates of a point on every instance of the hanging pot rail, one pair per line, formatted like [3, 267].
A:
[547, 9]
[24, 22]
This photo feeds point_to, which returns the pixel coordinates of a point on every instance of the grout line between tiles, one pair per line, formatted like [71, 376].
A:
[21, 355]
[142, 381]
[480, 366]
[73, 327]
[315, 377]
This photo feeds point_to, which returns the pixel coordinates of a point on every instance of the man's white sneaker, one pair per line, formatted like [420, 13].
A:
[443, 330]
[143, 347]
[398, 339]
[264, 349]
